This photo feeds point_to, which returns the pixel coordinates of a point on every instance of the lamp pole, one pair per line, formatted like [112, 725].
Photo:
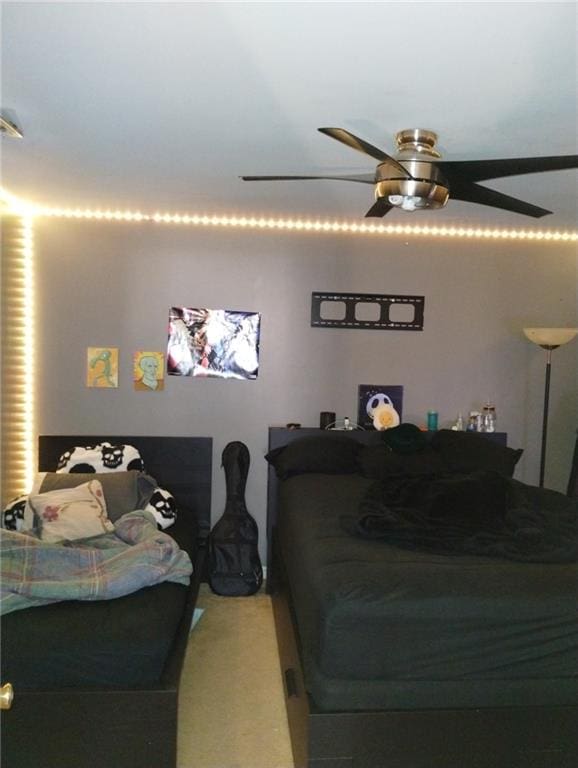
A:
[548, 349]
[548, 339]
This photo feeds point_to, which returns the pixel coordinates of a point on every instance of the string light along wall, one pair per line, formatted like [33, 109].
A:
[311, 225]
[18, 452]
[18, 349]
[290, 224]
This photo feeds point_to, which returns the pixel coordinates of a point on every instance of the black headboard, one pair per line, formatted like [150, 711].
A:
[182, 465]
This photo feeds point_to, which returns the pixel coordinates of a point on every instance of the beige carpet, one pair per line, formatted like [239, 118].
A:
[231, 710]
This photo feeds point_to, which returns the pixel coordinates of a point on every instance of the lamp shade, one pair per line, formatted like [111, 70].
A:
[550, 337]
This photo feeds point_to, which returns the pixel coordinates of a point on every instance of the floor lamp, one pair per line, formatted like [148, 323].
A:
[548, 339]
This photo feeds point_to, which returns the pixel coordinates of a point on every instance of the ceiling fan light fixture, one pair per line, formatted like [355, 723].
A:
[408, 202]
[412, 194]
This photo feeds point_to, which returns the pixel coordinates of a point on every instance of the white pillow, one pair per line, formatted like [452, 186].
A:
[71, 513]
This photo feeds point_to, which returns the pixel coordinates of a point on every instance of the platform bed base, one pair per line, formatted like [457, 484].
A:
[132, 728]
[521, 737]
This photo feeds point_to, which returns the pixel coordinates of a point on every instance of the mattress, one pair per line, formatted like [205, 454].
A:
[382, 627]
[107, 643]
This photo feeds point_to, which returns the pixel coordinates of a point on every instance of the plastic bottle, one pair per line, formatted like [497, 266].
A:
[489, 417]
[432, 421]
[460, 423]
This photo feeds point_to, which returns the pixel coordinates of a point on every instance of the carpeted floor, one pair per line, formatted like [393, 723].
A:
[231, 710]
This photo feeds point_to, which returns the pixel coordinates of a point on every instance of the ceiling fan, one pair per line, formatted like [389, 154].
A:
[417, 178]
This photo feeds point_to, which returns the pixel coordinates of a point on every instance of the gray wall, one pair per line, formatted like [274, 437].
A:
[113, 283]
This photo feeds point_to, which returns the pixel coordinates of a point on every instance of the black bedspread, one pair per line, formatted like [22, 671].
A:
[382, 626]
[480, 513]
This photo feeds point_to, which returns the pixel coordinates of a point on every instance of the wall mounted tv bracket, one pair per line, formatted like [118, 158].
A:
[367, 310]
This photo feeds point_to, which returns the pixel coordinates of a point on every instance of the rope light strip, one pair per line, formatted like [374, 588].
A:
[288, 224]
[313, 226]
[18, 357]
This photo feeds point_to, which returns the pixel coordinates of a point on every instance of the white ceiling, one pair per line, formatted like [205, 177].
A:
[162, 106]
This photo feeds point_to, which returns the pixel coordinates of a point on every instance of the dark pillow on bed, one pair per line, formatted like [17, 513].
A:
[328, 454]
[377, 462]
[466, 452]
[123, 491]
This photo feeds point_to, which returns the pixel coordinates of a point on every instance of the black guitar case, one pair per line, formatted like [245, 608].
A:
[234, 564]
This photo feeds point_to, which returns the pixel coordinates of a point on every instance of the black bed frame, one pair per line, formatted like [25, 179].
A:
[500, 737]
[120, 728]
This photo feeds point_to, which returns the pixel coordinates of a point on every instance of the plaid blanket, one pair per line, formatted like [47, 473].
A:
[103, 567]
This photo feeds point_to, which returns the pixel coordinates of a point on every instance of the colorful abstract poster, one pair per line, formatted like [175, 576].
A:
[213, 342]
[148, 371]
[379, 396]
[102, 367]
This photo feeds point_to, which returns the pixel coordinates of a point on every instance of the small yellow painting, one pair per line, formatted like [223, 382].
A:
[148, 371]
[102, 367]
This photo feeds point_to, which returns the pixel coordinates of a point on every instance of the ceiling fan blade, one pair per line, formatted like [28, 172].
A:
[367, 178]
[474, 193]
[340, 134]
[379, 208]
[479, 170]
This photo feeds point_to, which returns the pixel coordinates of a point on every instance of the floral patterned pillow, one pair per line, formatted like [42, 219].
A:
[71, 513]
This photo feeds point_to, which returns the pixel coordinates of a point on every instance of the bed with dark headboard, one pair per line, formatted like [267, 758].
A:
[404, 658]
[72, 710]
